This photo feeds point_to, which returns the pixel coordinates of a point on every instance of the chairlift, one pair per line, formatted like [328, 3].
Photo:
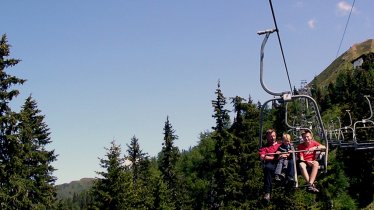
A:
[285, 98]
[362, 127]
[347, 134]
[334, 133]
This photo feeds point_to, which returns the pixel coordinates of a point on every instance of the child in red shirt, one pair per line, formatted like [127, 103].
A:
[308, 159]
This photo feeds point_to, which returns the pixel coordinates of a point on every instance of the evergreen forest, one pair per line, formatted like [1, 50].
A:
[222, 171]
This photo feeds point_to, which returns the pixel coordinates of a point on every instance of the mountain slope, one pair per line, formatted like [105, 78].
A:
[343, 62]
[67, 190]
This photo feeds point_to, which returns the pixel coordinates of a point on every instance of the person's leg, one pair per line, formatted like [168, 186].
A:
[290, 171]
[314, 170]
[269, 168]
[285, 163]
[313, 174]
[278, 169]
[304, 172]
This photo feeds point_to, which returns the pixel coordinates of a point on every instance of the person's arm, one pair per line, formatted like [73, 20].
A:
[301, 154]
[289, 150]
[321, 146]
[263, 155]
[279, 152]
[267, 157]
[318, 146]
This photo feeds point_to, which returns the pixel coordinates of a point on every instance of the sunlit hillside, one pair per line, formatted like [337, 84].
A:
[344, 62]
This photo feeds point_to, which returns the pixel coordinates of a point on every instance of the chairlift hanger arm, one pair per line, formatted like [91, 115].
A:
[370, 108]
[267, 31]
[340, 123]
[267, 34]
[350, 118]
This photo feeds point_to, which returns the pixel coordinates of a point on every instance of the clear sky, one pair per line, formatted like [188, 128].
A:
[109, 70]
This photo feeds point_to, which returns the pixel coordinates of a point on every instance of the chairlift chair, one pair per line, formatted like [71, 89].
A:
[365, 125]
[334, 133]
[285, 98]
[347, 134]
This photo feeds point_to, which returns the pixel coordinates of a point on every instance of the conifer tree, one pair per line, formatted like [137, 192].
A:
[244, 154]
[11, 184]
[135, 156]
[222, 139]
[169, 156]
[141, 176]
[113, 190]
[195, 167]
[161, 195]
[235, 154]
[36, 169]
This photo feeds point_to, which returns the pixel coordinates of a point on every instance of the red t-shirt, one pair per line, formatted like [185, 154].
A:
[308, 156]
[269, 149]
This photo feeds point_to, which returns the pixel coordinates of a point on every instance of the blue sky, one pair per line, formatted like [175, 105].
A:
[109, 70]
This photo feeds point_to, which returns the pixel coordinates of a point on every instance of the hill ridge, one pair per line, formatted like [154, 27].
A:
[67, 190]
[343, 62]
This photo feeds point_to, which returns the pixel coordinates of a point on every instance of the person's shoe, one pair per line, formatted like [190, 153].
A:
[267, 197]
[311, 188]
[291, 183]
[283, 175]
[315, 189]
[277, 178]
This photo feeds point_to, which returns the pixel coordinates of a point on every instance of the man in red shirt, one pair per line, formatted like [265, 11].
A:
[270, 162]
[308, 159]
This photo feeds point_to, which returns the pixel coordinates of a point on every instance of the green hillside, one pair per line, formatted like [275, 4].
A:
[343, 62]
[67, 190]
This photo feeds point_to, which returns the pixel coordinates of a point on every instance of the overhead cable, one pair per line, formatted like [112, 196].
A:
[345, 29]
[280, 44]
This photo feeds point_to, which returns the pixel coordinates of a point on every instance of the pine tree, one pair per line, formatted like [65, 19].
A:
[161, 195]
[36, 162]
[169, 156]
[244, 156]
[135, 156]
[11, 184]
[235, 154]
[222, 139]
[113, 190]
[141, 176]
[196, 167]
[220, 113]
